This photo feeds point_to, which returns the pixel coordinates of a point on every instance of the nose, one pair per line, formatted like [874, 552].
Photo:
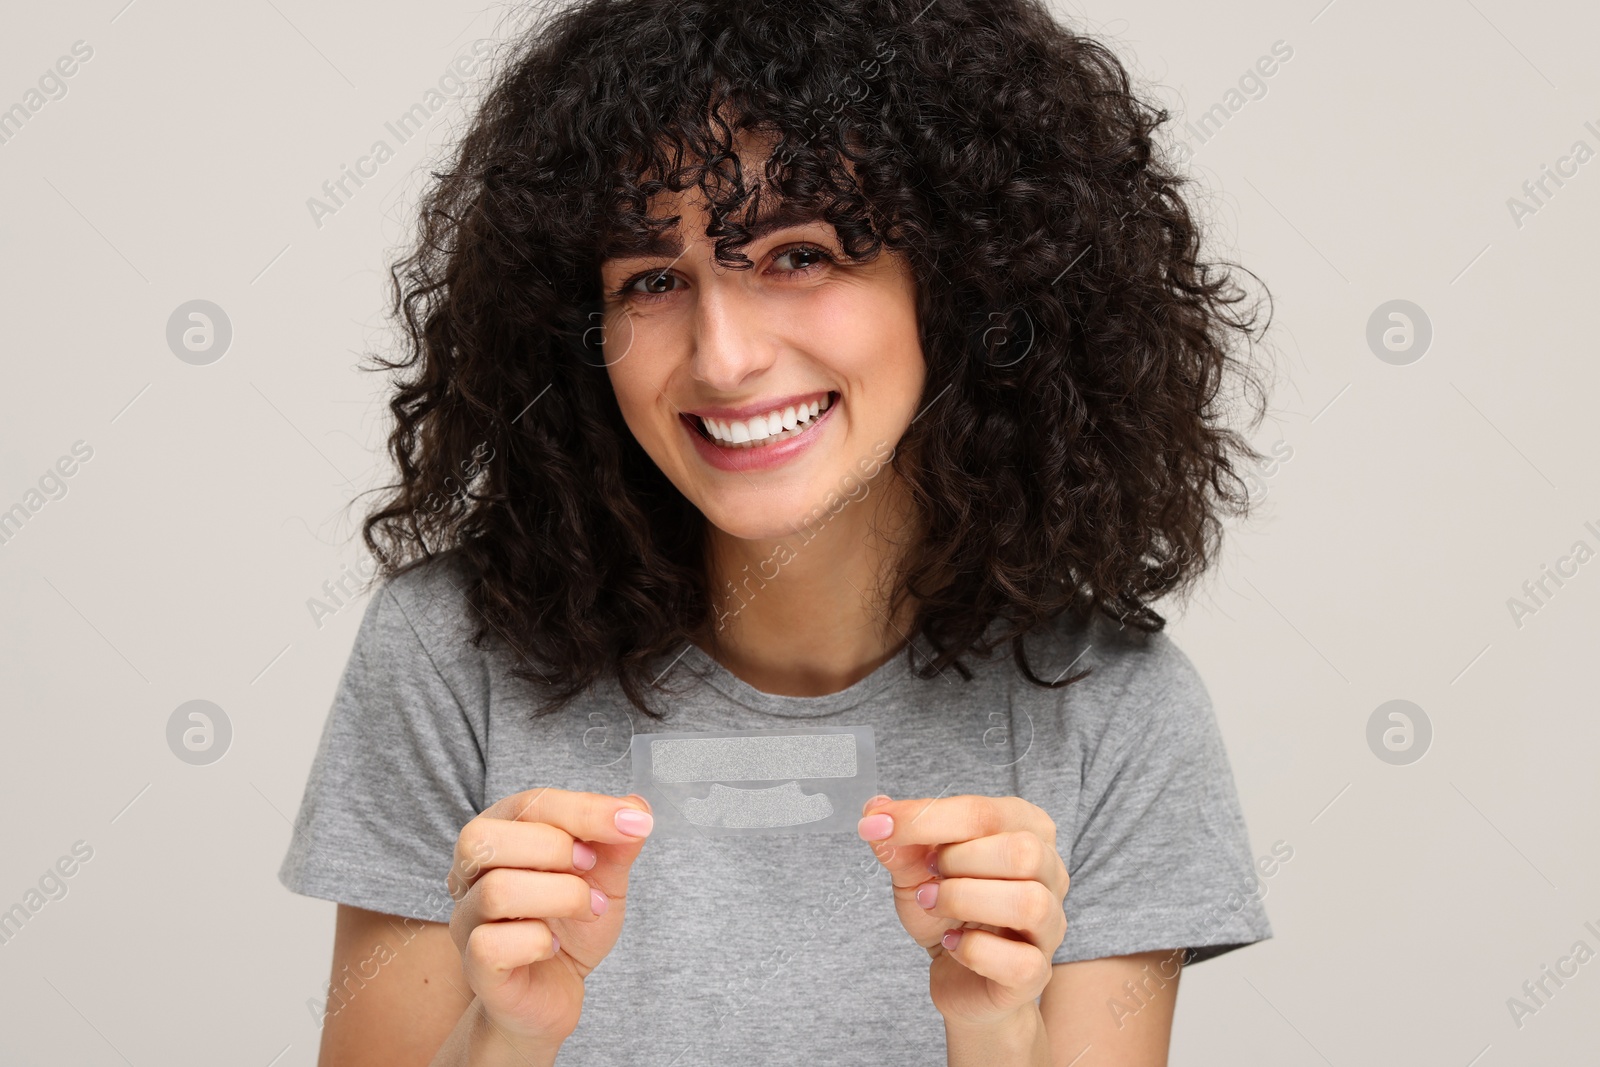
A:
[732, 341]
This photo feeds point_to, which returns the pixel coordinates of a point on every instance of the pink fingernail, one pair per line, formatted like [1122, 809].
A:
[583, 856]
[933, 862]
[635, 822]
[555, 944]
[928, 894]
[874, 800]
[598, 901]
[951, 938]
[876, 827]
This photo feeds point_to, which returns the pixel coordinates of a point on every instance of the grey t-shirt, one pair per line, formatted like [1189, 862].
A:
[782, 948]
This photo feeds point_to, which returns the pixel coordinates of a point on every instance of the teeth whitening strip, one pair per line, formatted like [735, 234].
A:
[714, 783]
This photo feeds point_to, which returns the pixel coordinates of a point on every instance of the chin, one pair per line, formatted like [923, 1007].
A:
[758, 518]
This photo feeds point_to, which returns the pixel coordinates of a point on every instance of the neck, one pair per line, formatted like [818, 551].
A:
[807, 615]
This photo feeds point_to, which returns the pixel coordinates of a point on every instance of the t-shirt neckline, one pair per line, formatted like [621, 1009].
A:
[737, 689]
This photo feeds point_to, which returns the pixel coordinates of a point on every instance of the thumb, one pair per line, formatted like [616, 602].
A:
[614, 859]
[907, 864]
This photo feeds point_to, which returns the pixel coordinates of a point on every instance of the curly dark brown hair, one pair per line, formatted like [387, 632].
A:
[1077, 458]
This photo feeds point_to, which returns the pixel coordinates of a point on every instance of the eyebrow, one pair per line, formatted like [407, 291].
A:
[669, 243]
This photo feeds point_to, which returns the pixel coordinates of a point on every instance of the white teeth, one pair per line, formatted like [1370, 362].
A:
[787, 422]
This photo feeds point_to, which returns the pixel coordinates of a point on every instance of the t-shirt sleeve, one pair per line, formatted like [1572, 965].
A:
[400, 766]
[1161, 857]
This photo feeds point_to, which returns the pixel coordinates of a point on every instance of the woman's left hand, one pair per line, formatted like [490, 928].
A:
[979, 884]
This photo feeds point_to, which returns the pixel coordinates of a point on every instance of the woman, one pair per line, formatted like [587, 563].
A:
[776, 367]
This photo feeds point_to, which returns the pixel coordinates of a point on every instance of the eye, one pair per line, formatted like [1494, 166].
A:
[810, 253]
[658, 284]
[650, 283]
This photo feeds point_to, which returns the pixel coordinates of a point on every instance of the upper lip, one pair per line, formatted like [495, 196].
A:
[750, 411]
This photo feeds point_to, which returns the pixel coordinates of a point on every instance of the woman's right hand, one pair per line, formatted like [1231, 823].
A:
[540, 881]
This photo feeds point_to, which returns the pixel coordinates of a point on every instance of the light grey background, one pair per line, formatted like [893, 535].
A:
[1417, 500]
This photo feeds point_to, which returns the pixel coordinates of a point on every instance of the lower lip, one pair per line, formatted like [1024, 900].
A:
[761, 457]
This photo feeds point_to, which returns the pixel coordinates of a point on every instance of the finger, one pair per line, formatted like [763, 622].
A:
[495, 949]
[908, 865]
[591, 818]
[1018, 854]
[959, 818]
[485, 843]
[1015, 965]
[503, 893]
[1029, 908]
[586, 816]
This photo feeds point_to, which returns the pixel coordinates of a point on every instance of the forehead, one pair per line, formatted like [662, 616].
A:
[760, 211]
[670, 242]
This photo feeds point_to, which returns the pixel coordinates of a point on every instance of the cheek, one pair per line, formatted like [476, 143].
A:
[871, 340]
[885, 358]
[626, 366]
[639, 376]
[617, 335]
[889, 349]
[638, 413]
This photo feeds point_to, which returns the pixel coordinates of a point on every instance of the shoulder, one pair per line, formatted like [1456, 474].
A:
[418, 630]
[1138, 682]
[1135, 666]
[1144, 668]
[425, 603]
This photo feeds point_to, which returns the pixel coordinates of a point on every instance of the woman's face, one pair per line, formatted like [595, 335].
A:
[697, 353]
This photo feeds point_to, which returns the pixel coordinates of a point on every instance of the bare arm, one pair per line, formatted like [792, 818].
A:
[540, 881]
[1112, 1012]
[397, 991]
[399, 999]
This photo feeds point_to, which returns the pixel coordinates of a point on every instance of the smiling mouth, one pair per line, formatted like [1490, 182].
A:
[775, 428]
